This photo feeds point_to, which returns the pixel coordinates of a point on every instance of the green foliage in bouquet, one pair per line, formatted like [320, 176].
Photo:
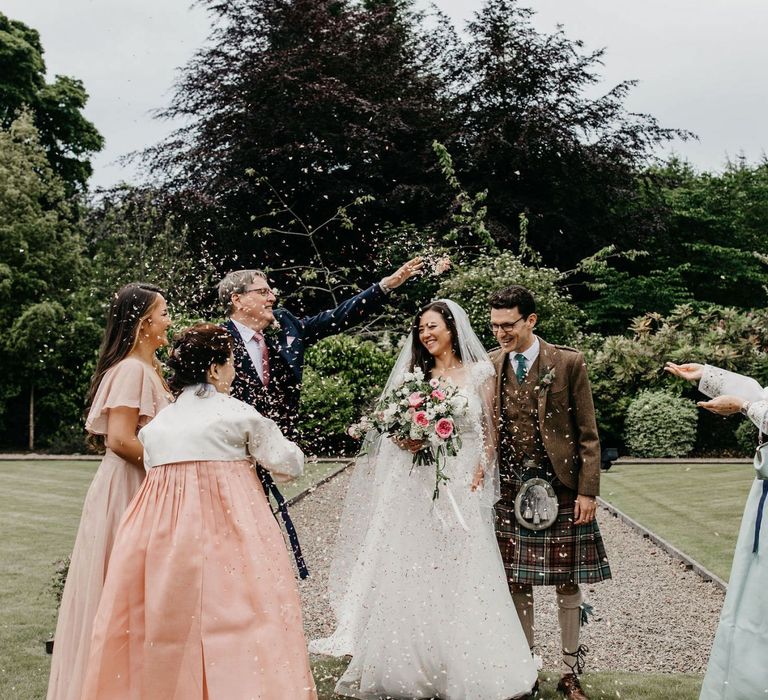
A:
[660, 424]
[343, 375]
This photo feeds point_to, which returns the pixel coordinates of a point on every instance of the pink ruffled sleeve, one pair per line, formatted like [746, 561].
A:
[130, 384]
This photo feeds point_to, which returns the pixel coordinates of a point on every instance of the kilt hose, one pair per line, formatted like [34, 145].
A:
[560, 554]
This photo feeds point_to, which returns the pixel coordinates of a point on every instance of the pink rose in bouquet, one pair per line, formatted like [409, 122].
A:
[444, 428]
[439, 395]
[420, 418]
[416, 399]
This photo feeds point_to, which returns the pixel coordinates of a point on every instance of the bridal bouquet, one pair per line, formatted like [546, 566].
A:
[423, 410]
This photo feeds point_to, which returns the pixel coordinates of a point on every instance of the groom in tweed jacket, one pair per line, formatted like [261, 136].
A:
[546, 429]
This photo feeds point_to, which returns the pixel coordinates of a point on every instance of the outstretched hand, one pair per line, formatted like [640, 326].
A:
[692, 371]
[404, 272]
[723, 405]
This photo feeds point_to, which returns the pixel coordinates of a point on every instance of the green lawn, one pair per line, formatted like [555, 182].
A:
[40, 504]
[696, 507]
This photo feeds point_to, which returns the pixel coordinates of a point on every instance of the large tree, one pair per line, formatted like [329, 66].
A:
[539, 140]
[68, 138]
[130, 235]
[298, 107]
[49, 335]
[715, 223]
[714, 226]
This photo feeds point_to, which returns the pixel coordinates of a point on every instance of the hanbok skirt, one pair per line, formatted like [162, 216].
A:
[737, 668]
[200, 600]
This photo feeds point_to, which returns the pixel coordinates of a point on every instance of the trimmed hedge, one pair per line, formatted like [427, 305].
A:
[660, 424]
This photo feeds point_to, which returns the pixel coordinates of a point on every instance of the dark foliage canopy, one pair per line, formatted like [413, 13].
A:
[297, 107]
[537, 135]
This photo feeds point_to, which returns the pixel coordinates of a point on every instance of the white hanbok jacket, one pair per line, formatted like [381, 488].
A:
[206, 425]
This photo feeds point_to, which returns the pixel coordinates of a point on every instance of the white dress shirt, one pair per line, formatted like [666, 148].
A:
[205, 425]
[530, 355]
[252, 346]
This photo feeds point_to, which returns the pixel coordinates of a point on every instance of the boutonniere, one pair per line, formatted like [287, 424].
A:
[546, 379]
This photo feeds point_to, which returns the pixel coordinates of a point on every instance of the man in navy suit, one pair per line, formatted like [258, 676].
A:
[269, 347]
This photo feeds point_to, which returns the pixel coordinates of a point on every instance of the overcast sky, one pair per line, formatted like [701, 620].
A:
[701, 63]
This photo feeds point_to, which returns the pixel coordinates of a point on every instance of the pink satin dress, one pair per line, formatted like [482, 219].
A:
[131, 383]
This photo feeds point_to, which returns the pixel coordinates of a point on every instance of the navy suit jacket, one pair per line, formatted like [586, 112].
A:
[279, 400]
[287, 345]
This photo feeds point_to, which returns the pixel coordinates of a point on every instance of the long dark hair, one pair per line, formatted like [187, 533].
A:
[130, 305]
[195, 349]
[421, 356]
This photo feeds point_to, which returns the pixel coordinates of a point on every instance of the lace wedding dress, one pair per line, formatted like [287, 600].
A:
[418, 585]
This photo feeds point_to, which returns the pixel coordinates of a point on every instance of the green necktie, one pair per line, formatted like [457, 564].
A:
[520, 372]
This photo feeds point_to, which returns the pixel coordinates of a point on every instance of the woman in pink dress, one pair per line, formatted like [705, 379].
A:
[200, 601]
[127, 390]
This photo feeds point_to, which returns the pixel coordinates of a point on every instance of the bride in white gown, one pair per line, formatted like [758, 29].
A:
[417, 585]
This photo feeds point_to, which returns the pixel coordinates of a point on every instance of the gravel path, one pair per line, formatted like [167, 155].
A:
[653, 616]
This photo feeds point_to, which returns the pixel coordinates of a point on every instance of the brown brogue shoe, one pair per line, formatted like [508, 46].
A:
[570, 687]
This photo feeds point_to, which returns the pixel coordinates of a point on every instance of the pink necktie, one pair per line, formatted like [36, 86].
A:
[259, 338]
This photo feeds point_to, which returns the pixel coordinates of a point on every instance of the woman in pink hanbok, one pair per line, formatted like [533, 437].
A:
[126, 392]
[200, 601]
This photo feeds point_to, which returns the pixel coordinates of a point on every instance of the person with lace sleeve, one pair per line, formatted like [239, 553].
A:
[200, 598]
[127, 391]
[736, 667]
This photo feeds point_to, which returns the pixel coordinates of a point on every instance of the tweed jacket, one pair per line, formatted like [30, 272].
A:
[566, 415]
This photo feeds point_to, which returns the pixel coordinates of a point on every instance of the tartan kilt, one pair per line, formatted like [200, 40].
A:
[560, 554]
